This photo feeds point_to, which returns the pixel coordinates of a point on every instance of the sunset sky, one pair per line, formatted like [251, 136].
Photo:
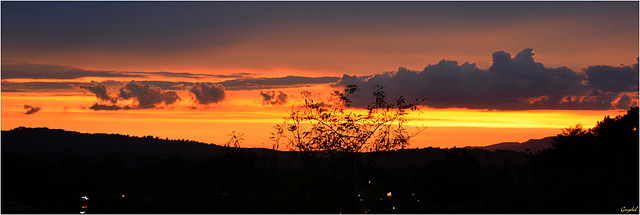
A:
[489, 72]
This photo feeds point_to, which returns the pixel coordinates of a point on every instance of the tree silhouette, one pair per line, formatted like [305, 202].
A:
[595, 169]
[329, 129]
[614, 134]
[573, 137]
[339, 143]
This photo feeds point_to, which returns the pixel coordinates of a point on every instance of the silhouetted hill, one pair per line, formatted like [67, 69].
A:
[532, 145]
[55, 144]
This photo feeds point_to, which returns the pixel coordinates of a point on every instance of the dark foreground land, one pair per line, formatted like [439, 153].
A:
[586, 171]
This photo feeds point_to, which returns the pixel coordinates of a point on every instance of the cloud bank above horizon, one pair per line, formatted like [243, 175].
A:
[510, 83]
[517, 83]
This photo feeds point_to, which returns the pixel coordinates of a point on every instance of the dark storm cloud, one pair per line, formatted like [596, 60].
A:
[279, 82]
[271, 98]
[509, 84]
[146, 95]
[100, 90]
[206, 93]
[31, 109]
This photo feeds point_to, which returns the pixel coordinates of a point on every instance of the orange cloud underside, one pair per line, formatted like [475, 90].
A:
[246, 114]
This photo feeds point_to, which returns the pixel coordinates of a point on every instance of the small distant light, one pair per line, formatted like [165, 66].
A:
[413, 194]
[123, 195]
[389, 194]
[394, 208]
[85, 198]
[369, 182]
[84, 207]
[82, 212]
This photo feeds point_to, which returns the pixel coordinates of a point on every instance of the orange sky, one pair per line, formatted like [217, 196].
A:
[57, 57]
[445, 127]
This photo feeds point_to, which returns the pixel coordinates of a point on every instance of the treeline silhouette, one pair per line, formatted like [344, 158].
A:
[586, 171]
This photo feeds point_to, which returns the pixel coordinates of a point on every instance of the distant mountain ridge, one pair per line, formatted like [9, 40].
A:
[52, 140]
[532, 145]
[56, 144]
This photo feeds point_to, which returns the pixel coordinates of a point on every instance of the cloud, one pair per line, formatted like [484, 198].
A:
[97, 106]
[613, 79]
[626, 100]
[509, 84]
[100, 90]
[146, 95]
[206, 93]
[51, 71]
[245, 83]
[279, 82]
[8, 86]
[169, 85]
[242, 82]
[31, 109]
[192, 75]
[270, 98]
